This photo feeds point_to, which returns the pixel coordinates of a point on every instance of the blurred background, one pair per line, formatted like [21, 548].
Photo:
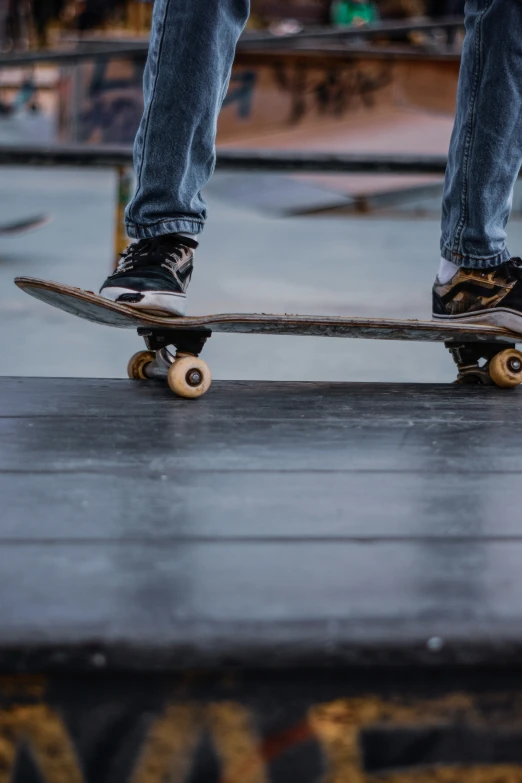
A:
[350, 78]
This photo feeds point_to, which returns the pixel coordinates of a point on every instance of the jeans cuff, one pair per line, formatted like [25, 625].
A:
[176, 226]
[475, 262]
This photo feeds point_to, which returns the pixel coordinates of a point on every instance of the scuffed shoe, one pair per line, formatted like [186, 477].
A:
[153, 274]
[484, 296]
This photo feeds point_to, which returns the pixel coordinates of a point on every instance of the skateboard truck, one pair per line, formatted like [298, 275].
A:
[502, 363]
[189, 341]
[187, 375]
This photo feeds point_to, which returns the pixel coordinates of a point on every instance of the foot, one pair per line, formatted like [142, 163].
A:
[153, 274]
[486, 296]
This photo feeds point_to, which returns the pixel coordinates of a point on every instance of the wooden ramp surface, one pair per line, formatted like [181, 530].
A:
[278, 583]
[274, 523]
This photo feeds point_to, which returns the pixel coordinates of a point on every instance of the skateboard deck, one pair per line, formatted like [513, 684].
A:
[469, 343]
[25, 225]
[93, 307]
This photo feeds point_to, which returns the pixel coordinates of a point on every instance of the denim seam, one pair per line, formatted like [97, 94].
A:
[173, 219]
[470, 136]
[479, 261]
[153, 96]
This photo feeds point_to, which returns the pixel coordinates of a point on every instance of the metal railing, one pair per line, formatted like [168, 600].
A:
[232, 160]
[450, 25]
[249, 42]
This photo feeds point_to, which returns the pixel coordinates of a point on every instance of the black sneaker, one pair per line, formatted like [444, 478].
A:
[153, 274]
[486, 296]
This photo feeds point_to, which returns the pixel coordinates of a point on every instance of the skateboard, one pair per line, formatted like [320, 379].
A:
[483, 354]
[25, 225]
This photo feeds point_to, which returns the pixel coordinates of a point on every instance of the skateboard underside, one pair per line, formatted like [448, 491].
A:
[483, 354]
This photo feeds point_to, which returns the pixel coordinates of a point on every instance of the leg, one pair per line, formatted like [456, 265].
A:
[478, 281]
[486, 146]
[190, 58]
[191, 52]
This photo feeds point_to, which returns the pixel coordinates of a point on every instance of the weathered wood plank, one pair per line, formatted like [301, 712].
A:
[264, 525]
[265, 604]
[182, 505]
[254, 400]
[172, 442]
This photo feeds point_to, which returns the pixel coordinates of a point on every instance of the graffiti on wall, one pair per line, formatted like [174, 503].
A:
[333, 91]
[102, 102]
[140, 731]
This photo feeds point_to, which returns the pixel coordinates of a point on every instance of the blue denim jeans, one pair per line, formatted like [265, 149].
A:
[486, 147]
[186, 79]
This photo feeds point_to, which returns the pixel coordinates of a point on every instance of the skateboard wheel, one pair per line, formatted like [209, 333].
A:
[189, 377]
[137, 364]
[505, 368]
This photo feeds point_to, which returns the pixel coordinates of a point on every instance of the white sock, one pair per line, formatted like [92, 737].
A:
[189, 236]
[446, 270]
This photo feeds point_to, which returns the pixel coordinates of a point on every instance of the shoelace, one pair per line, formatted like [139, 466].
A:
[149, 251]
[513, 269]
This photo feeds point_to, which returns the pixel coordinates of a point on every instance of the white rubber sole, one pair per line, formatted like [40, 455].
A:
[153, 301]
[498, 316]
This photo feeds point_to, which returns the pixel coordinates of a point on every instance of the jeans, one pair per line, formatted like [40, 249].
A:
[186, 79]
[486, 146]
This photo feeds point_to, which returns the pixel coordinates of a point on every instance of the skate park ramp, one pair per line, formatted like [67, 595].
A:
[172, 604]
[360, 106]
[385, 129]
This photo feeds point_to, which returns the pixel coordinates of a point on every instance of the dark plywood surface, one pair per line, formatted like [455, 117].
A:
[263, 525]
